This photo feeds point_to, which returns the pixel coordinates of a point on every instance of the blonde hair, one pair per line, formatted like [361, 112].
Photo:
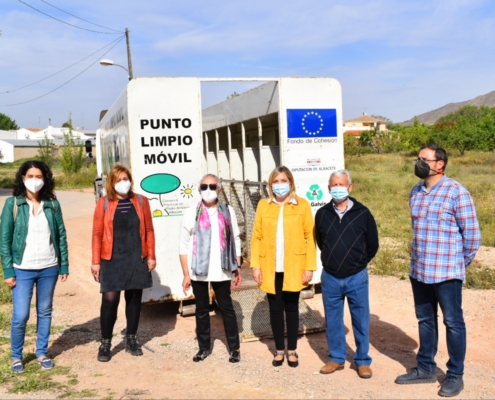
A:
[276, 172]
[112, 179]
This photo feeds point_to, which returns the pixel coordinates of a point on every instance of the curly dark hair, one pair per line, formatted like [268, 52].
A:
[46, 192]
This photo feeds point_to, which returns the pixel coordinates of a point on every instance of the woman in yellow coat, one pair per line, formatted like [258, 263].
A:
[283, 257]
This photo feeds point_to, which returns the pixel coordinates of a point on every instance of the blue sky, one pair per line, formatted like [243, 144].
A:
[393, 58]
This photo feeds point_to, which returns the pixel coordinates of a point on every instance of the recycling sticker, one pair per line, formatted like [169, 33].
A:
[314, 193]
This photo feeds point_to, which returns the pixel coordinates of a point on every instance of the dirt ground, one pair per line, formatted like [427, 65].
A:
[166, 370]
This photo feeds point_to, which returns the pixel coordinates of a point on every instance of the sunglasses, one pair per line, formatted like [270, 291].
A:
[212, 186]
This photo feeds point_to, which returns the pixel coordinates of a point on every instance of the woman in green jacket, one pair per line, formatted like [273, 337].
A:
[33, 247]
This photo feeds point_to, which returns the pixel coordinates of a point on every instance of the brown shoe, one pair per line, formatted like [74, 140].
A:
[364, 371]
[330, 367]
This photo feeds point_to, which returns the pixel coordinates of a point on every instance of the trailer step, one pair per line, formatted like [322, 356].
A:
[253, 315]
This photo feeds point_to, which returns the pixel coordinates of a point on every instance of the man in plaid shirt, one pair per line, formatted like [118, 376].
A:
[446, 236]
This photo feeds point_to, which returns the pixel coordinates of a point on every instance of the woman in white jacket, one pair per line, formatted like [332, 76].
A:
[210, 253]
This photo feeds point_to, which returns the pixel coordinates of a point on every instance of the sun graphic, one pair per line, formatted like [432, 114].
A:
[187, 191]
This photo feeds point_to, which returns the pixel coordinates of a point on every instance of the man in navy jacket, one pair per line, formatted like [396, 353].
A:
[348, 239]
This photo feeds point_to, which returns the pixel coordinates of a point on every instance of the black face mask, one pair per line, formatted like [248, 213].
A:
[422, 169]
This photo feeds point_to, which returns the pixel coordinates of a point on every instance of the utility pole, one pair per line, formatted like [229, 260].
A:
[129, 59]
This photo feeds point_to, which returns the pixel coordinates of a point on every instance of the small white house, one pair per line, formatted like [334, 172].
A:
[53, 133]
[8, 134]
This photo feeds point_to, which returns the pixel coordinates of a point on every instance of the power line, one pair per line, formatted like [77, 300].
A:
[72, 15]
[75, 26]
[62, 70]
[70, 80]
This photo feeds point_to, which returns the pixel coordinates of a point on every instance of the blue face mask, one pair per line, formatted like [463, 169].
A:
[339, 193]
[280, 189]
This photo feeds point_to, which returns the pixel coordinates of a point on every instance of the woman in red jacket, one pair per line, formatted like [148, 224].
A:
[123, 256]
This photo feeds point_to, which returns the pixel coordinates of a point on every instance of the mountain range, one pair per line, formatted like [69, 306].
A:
[431, 117]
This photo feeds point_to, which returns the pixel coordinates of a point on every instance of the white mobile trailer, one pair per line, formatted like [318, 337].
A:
[157, 129]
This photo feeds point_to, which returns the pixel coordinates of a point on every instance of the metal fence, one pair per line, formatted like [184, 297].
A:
[243, 197]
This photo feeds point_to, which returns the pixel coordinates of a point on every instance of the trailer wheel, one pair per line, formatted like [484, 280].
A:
[187, 311]
[308, 293]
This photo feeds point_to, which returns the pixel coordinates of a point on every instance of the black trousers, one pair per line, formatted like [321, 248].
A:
[282, 303]
[224, 300]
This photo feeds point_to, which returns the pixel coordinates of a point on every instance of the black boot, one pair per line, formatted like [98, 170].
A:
[104, 350]
[132, 346]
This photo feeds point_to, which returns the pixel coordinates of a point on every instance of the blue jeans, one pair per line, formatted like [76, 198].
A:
[427, 297]
[334, 291]
[45, 281]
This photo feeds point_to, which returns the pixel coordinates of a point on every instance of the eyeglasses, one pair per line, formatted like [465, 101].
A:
[212, 186]
[425, 160]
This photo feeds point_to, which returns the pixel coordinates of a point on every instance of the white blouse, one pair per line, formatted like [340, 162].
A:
[215, 271]
[39, 252]
[280, 249]
[280, 244]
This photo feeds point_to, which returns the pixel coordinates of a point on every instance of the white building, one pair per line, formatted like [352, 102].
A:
[53, 133]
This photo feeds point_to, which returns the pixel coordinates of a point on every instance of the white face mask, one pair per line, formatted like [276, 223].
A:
[123, 187]
[33, 185]
[209, 195]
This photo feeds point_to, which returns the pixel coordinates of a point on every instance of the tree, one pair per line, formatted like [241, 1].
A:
[46, 151]
[388, 121]
[7, 124]
[469, 128]
[387, 142]
[72, 153]
[366, 139]
[415, 136]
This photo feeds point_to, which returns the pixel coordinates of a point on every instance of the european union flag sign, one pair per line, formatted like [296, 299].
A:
[311, 123]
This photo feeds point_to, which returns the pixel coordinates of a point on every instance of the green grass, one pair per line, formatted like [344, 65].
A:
[383, 181]
[83, 179]
[391, 262]
[75, 394]
[5, 292]
[4, 321]
[56, 329]
[73, 381]
[34, 379]
[480, 277]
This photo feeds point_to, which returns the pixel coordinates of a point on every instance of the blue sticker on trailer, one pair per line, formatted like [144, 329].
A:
[311, 123]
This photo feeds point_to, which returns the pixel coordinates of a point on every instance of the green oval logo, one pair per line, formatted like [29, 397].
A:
[160, 183]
